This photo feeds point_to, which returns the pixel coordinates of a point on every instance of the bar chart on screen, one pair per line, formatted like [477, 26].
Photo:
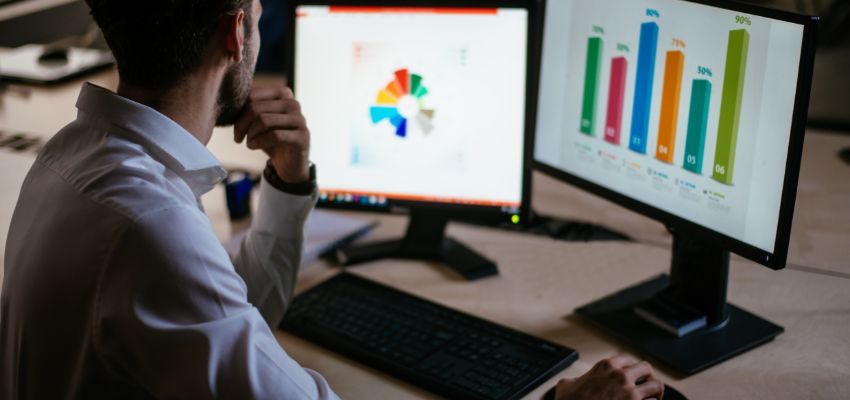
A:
[667, 91]
[664, 106]
[673, 103]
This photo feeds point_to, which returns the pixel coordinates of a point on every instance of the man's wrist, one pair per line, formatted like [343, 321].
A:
[304, 188]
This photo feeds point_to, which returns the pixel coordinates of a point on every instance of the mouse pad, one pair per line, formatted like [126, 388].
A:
[669, 394]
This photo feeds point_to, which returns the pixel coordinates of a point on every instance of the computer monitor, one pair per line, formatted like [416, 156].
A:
[692, 113]
[419, 107]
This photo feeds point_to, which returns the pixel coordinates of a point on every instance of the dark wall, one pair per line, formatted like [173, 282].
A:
[45, 26]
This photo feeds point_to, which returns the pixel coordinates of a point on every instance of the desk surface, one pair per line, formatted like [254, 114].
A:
[543, 280]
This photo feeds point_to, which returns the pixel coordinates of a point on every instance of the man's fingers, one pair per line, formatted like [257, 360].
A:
[269, 122]
[652, 388]
[255, 110]
[271, 93]
[617, 362]
[638, 372]
[275, 138]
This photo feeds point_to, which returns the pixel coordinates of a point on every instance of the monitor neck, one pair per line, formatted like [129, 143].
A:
[699, 275]
[426, 240]
[425, 233]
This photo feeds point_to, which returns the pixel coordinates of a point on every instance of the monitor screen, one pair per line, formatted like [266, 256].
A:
[414, 105]
[683, 107]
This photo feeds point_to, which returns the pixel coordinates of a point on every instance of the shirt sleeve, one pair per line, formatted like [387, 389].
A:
[270, 254]
[178, 323]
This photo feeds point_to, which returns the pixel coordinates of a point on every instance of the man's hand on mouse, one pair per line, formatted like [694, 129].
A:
[272, 121]
[616, 378]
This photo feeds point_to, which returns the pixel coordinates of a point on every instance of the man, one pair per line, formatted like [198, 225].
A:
[116, 286]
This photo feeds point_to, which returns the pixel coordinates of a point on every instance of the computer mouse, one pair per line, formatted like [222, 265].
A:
[56, 55]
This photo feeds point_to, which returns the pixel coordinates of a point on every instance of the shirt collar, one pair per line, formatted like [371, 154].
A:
[166, 140]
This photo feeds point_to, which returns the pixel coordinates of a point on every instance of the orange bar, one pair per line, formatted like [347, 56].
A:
[413, 197]
[670, 106]
[413, 10]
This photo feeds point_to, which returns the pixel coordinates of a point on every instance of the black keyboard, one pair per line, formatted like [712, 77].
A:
[439, 349]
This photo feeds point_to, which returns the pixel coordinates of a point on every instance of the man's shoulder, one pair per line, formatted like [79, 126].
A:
[108, 171]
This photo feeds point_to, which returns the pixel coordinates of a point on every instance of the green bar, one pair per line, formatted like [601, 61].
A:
[591, 85]
[730, 105]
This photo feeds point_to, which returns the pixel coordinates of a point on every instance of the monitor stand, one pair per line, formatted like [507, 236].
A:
[557, 228]
[425, 240]
[682, 319]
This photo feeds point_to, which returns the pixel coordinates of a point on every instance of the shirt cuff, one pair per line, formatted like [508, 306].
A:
[282, 214]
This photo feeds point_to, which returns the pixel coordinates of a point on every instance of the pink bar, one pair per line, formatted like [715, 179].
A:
[616, 94]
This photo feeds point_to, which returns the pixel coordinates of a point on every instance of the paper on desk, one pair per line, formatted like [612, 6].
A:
[325, 231]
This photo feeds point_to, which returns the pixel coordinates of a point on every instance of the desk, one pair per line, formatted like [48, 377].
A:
[543, 280]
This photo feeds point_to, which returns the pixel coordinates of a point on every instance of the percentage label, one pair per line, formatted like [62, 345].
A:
[598, 29]
[740, 19]
[679, 43]
[653, 13]
[704, 71]
[622, 47]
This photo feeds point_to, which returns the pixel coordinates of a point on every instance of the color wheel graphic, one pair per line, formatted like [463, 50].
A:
[400, 101]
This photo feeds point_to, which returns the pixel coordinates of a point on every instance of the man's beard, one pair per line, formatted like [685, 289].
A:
[235, 89]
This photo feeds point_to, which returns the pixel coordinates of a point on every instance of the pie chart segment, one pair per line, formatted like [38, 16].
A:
[394, 88]
[381, 113]
[401, 131]
[402, 101]
[403, 79]
[415, 83]
[385, 97]
[421, 92]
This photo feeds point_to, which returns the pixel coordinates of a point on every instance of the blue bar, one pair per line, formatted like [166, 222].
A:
[643, 86]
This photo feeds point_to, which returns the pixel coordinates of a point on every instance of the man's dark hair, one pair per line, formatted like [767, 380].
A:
[157, 43]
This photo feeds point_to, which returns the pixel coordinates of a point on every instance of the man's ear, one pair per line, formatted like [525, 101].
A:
[234, 34]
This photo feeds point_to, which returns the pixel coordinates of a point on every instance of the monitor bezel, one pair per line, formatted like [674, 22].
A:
[460, 211]
[778, 258]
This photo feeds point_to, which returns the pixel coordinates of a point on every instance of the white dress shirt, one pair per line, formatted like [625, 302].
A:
[116, 286]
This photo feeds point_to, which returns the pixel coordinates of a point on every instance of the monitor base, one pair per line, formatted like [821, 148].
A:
[425, 240]
[615, 315]
[558, 228]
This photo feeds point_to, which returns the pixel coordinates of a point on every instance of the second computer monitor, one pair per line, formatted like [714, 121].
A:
[692, 113]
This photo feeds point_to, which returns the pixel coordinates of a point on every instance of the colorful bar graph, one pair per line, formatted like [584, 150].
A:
[672, 91]
[730, 105]
[591, 85]
[616, 96]
[697, 124]
[647, 50]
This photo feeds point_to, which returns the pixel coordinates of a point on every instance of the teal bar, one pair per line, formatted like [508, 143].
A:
[697, 125]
